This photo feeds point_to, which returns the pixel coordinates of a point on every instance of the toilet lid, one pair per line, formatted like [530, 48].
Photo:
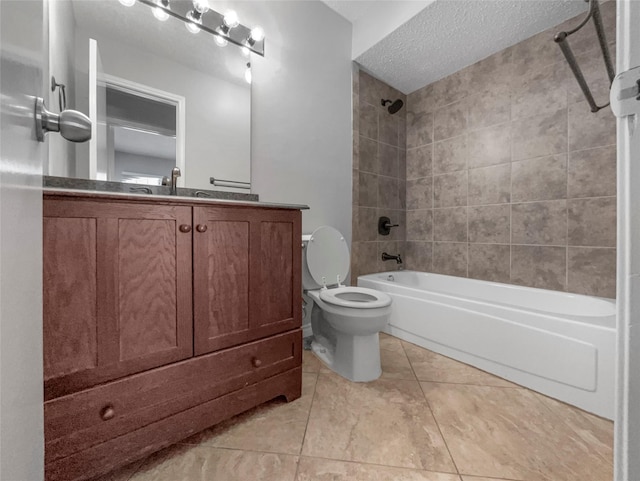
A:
[355, 297]
[327, 256]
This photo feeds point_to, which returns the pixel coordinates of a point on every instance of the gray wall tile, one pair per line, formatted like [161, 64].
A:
[450, 224]
[389, 126]
[539, 223]
[450, 155]
[488, 109]
[368, 121]
[540, 92]
[419, 162]
[592, 173]
[489, 146]
[419, 129]
[388, 192]
[420, 193]
[388, 160]
[450, 121]
[490, 185]
[543, 178]
[450, 258]
[367, 224]
[592, 222]
[490, 224]
[592, 271]
[368, 155]
[420, 225]
[450, 190]
[368, 190]
[419, 256]
[490, 262]
[539, 266]
[588, 130]
[540, 135]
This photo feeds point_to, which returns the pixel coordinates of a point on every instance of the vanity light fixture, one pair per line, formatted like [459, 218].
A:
[198, 16]
[128, 3]
[194, 15]
[247, 73]
[159, 10]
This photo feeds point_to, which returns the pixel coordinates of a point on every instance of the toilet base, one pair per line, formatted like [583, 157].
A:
[356, 358]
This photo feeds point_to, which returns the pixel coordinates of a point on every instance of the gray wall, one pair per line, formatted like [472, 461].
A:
[509, 176]
[301, 110]
[379, 169]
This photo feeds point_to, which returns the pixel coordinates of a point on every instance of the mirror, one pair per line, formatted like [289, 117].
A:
[162, 97]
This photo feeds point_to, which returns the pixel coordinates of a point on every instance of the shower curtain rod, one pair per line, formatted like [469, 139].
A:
[561, 40]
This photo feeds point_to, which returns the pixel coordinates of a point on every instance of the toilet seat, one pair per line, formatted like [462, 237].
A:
[355, 297]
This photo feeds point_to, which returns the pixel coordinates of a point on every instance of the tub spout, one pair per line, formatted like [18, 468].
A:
[388, 257]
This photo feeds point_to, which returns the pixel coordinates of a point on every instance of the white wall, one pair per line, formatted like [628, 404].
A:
[301, 139]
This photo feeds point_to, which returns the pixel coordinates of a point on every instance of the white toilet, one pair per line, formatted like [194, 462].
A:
[345, 320]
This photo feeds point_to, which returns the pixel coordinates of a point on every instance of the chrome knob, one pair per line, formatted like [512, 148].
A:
[72, 125]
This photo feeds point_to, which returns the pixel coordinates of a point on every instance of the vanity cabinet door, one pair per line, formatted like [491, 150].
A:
[246, 275]
[117, 290]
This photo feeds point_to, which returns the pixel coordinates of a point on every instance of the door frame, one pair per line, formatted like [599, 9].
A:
[141, 90]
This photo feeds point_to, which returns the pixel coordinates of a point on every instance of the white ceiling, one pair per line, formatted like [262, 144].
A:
[448, 35]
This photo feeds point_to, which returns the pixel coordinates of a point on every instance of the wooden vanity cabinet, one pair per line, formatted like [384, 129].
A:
[160, 320]
[116, 291]
[245, 283]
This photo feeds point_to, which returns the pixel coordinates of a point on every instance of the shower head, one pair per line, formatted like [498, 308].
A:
[394, 107]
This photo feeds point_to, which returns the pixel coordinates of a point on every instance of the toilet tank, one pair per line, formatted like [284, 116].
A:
[325, 253]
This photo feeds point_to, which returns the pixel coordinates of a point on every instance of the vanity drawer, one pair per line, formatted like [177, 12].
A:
[78, 421]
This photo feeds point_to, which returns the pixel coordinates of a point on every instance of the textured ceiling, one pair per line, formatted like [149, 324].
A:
[449, 35]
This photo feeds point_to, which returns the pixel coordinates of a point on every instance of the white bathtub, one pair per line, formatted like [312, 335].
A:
[559, 344]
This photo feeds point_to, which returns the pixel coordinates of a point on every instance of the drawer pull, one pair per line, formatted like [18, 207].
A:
[201, 227]
[107, 412]
[256, 362]
[185, 228]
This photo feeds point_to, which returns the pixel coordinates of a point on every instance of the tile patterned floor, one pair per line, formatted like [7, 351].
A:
[428, 418]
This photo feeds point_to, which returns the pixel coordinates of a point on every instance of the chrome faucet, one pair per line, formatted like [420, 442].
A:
[388, 257]
[175, 173]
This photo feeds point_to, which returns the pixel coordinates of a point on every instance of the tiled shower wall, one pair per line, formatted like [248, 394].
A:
[379, 166]
[509, 176]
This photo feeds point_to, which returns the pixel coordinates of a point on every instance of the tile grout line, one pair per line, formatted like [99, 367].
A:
[431, 410]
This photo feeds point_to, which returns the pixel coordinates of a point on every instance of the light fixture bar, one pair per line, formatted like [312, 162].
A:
[211, 20]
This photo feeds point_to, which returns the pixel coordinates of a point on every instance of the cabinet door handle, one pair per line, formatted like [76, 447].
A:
[201, 228]
[256, 362]
[185, 228]
[107, 412]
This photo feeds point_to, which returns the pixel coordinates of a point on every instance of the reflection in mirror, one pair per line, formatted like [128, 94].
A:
[141, 133]
[162, 97]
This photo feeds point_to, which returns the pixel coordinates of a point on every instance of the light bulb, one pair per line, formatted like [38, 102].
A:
[245, 51]
[128, 3]
[220, 40]
[247, 73]
[201, 6]
[257, 33]
[159, 13]
[192, 27]
[231, 19]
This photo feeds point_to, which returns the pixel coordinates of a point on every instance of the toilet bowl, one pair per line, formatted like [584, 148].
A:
[345, 321]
